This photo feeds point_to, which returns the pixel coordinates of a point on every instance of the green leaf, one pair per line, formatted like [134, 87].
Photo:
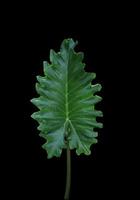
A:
[66, 103]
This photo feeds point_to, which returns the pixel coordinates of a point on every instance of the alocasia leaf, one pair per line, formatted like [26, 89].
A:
[66, 102]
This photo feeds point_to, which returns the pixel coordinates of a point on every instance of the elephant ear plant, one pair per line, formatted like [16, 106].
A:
[66, 103]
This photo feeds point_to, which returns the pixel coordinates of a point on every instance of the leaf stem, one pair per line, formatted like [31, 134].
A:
[68, 177]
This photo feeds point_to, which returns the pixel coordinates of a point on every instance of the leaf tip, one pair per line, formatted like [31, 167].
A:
[68, 44]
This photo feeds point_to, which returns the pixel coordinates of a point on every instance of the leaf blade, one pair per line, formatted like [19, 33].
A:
[67, 102]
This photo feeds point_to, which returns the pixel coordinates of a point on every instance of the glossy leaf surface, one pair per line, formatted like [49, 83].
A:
[66, 103]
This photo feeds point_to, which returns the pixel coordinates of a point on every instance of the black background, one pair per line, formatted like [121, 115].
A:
[103, 37]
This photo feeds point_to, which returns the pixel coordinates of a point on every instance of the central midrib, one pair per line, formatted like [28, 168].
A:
[66, 90]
